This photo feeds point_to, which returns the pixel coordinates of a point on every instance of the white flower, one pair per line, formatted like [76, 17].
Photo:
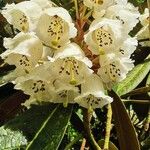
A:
[104, 36]
[127, 14]
[98, 4]
[92, 93]
[23, 16]
[55, 27]
[64, 93]
[128, 47]
[24, 51]
[70, 65]
[144, 18]
[144, 32]
[37, 84]
[44, 4]
[114, 69]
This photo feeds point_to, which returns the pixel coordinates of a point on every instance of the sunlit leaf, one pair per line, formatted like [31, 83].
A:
[133, 78]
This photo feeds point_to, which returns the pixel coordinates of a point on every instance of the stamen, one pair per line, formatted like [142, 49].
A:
[101, 51]
[65, 103]
[72, 80]
[55, 42]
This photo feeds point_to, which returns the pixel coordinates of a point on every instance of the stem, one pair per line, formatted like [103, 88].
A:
[84, 11]
[88, 15]
[108, 127]
[86, 120]
[137, 101]
[137, 91]
[143, 40]
[76, 8]
[83, 144]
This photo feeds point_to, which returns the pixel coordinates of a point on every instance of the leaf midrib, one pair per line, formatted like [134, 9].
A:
[42, 126]
[130, 79]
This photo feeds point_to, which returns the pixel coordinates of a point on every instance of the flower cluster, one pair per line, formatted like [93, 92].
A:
[59, 62]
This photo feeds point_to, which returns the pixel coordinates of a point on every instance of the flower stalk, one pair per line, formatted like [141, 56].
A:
[108, 127]
[86, 120]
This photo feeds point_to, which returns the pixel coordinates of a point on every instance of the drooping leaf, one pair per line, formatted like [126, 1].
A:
[133, 79]
[125, 130]
[148, 83]
[42, 127]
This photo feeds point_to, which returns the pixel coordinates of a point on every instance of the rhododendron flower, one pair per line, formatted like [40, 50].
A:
[113, 69]
[23, 16]
[24, 51]
[104, 36]
[93, 96]
[127, 14]
[127, 48]
[55, 27]
[70, 64]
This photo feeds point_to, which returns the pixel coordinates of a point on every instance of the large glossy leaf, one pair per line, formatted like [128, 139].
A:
[133, 78]
[42, 127]
[125, 130]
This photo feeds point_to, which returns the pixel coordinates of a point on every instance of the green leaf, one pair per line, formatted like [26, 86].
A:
[125, 130]
[42, 127]
[133, 79]
[140, 1]
[148, 83]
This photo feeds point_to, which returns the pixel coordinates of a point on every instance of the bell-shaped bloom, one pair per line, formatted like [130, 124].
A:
[114, 69]
[64, 92]
[105, 36]
[127, 14]
[24, 51]
[144, 32]
[70, 65]
[100, 6]
[127, 48]
[93, 93]
[37, 85]
[23, 16]
[55, 27]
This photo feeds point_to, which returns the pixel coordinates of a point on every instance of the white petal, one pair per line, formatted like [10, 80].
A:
[72, 50]
[114, 69]
[44, 4]
[93, 96]
[24, 44]
[55, 27]
[23, 16]
[127, 14]
[105, 36]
